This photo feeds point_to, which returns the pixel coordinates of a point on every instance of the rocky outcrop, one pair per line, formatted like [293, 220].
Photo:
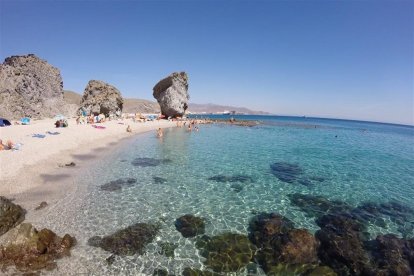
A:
[190, 226]
[30, 250]
[172, 94]
[29, 86]
[100, 97]
[10, 215]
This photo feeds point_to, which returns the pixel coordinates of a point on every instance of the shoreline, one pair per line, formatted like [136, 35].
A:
[37, 171]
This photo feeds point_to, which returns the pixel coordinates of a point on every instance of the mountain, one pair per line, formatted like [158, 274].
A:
[145, 106]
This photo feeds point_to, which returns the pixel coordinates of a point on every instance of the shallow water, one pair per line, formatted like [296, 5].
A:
[352, 162]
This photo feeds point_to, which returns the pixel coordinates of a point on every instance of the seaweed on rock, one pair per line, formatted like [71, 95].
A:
[190, 226]
[129, 241]
[118, 184]
[228, 252]
[149, 162]
[286, 172]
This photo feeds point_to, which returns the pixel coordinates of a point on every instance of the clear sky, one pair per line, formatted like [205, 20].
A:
[343, 59]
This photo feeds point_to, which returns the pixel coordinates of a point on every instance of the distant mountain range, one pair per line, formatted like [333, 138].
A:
[145, 106]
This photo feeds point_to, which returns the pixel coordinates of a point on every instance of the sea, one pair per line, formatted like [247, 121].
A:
[226, 174]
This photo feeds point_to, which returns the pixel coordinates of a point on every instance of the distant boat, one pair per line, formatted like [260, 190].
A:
[226, 112]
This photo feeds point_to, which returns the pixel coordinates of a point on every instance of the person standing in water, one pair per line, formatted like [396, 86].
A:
[160, 133]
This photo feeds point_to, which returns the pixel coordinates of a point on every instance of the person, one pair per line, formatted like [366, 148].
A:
[129, 129]
[2, 147]
[189, 127]
[160, 133]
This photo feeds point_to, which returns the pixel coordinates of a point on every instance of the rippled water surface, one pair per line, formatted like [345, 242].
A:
[226, 174]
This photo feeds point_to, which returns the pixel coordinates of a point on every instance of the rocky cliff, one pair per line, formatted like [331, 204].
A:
[100, 97]
[172, 94]
[29, 86]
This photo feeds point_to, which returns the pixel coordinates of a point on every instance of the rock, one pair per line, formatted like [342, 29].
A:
[10, 215]
[266, 226]
[341, 245]
[129, 241]
[167, 249]
[159, 180]
[30, 87]
[286, 172]
[172, 94]
[190, 226]
[118, 184]
[393, 255]
[42, 205]
[149, 162]
[110, 260]
[31, 250]
[160, 272]
[227, 252]
[233, 178]
[100, 97]
[197, 272]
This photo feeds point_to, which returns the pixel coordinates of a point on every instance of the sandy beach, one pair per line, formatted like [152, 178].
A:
[39, 165]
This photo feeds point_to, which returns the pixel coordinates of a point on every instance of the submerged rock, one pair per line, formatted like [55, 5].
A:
[149, 162]
[160, 272]
[342, 245]
[10, 215]
[172, 94]
[159, 180]
[31, 250]
[167, 249]
[129, 241]
[227, 252]
[393, 256]
[316, 206]
[100, 97]
[118, 184]
[197, 272]
[30, 87]
[286, 172]
[190, 226]
[234, 178]
[236, 187]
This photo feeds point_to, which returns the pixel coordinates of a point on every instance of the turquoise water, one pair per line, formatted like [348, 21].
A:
[352, 162]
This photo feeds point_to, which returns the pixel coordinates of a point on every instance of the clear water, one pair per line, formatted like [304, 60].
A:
[359, 161]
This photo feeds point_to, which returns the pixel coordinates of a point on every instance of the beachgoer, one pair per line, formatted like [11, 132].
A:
[10, 144]
[189, 127]
[2, 147]
[160, 133]
[129, 129]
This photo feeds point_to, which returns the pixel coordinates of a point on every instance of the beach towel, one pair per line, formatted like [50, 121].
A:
[53, 133]
[98, 127]
[37, 135]
[4, 122]
[25, 121]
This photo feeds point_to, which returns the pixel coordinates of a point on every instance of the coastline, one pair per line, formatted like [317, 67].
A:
[37, 171]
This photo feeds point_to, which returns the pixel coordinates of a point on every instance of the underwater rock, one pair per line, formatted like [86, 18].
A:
[190, 226]
[129, 241]
[167, 249]
[110, 260]
[316, 206]
[159, 180]
[297, 246]
[42, 205]
[234, 178]
[300, 269]
[286, 172]
[149, 162]
[160, 272]
[10, 215]
[30, 250]
[118, 184]
[265, 226]
[392, 255]
[227, 252]
[341, 245]
[197, 272]
[236, 187]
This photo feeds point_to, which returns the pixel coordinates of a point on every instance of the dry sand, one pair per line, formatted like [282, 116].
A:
[37, 170]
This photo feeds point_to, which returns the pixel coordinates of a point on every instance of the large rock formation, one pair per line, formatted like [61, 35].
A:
[172, 94]
[100, 97]
[29, 86]
[10, 215]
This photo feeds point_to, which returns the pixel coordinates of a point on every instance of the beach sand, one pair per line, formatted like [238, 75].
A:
[37, 171]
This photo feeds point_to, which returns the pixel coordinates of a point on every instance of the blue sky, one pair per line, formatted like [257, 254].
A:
[343, 59]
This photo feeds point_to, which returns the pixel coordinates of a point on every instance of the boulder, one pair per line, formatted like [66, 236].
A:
[10, 215]
[30, 250]
[30, 87]
[100, 97]
[172, 94]
[190, 226]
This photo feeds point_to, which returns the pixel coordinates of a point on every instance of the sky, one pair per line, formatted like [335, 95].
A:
[334, 59]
